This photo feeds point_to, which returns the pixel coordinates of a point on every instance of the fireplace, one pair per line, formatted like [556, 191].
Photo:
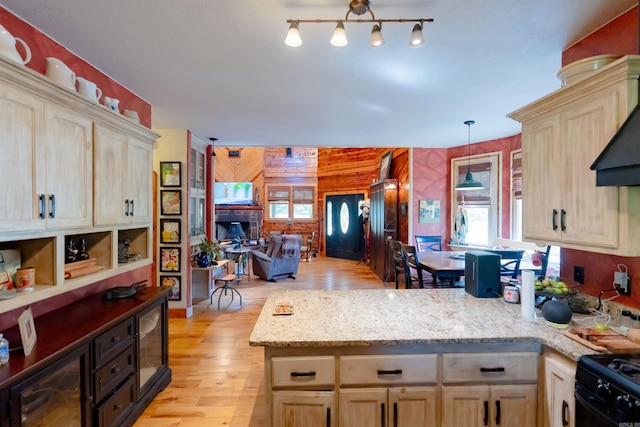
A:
[249, 217]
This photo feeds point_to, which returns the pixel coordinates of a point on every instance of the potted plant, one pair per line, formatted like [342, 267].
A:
[209, 251]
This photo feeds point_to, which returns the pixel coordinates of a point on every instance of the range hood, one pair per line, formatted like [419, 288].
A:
[619, 162]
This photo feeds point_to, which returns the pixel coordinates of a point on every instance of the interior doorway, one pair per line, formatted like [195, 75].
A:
[345, 231]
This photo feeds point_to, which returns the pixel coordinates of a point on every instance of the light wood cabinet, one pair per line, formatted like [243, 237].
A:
[303, 408]
[559, 382]
[562, 135]
[123, 169]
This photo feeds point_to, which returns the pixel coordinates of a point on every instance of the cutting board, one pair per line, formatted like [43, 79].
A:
[622, 346]
[603, 340]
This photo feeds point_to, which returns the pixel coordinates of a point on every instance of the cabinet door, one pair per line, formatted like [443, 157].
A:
[513, 405]
[303, 408]
[22, 147]
[592, 214]
[110, 169]
[412, 406]
[465, 406]
[69, 168]
[541, 179]
[559, 381]
[139, 174]
[364, 407]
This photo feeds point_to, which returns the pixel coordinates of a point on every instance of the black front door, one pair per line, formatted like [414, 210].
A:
[345, 232]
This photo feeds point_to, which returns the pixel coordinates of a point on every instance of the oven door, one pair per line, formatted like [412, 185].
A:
[592, 412]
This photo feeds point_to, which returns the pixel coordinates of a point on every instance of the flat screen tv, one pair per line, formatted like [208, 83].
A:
[233, 193]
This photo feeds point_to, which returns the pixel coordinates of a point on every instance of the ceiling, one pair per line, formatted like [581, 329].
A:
[221, 68]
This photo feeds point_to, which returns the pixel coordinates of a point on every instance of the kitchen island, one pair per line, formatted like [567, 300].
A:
[415, 355]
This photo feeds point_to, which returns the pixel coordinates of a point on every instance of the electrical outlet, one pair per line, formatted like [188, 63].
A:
[622, 282]
[578, 274]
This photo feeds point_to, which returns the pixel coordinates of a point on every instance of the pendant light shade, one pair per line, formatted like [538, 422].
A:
[417, 39]
[469, 183]
[293, 35]
[339, 37]
[376, 36]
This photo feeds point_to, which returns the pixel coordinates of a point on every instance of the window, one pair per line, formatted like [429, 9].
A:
[481, 207]
[291, 201]
[516, 195]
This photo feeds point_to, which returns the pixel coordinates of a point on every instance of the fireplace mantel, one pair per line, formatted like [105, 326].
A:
[250, 217]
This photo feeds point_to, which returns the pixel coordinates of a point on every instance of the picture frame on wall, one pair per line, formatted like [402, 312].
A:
[170, 230]
[170, 174]
[175, 283]
[170, 259]
[385, 166]
[170, 202]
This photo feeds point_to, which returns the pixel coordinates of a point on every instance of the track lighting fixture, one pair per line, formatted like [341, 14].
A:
[357, 7]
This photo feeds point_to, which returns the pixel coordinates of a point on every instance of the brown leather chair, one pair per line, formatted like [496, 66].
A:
[281, 258]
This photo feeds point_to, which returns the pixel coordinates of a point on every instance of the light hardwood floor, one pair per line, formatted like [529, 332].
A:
[218, 379]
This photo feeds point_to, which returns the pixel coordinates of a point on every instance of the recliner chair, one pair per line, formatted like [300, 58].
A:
[281, 258]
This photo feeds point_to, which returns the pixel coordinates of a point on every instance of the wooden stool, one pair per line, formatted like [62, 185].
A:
[226, 279]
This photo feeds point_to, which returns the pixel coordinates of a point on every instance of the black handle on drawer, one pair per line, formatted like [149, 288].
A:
[565, 409]
[303, 374]
[52, 206]
[391, 372]
[486, 413]
[563, 214]
[42, 206]
[497, 412]
[554, 218]
[328, 417]
[383, 421]
[395, 414]
[489, 370]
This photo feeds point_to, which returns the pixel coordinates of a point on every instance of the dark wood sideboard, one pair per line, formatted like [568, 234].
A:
[95, 363]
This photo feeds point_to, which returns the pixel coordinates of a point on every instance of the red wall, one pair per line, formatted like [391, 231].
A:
[42, 47]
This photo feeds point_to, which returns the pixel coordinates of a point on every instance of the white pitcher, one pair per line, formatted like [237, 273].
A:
[8, 47]
[88, 89]
[60, 73]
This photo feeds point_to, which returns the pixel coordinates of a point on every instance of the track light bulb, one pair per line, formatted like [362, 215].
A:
[339, 37]
[376, 36]
[417, 39]
[293, 35]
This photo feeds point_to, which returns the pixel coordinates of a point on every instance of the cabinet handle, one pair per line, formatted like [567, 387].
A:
[565, 409]
[118, 406]
[487, 370]
[126, 207]
[563, 214]
[131, 207]
[52, 206]
[391, 372]
[497, 412]
[42, 206]
[554, 218]
[395, 414]
[115, 339]
[115, 369]
[383, 421]
[328, 417]
[303, 374]
[486, 413]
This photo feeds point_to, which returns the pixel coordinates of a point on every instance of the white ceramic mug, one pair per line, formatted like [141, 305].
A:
[89, 89]
[60, 73]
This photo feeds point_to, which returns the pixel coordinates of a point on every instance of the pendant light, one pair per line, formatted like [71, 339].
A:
[339, 37]
[469, 183]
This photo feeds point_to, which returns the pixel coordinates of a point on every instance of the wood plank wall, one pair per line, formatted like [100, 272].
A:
[331, 170]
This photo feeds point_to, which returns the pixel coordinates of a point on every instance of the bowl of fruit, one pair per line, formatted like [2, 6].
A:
[553, 286]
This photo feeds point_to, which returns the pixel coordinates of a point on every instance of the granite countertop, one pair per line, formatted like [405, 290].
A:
[401, 316]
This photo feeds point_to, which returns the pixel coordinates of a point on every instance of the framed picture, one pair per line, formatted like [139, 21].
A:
[170, 259]
[27, 331]
[170, 230]
[174, 282]
[170, 174]
[385, 166]
[170, 202]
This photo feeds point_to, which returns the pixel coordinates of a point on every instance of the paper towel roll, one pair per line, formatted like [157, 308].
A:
[528, 294]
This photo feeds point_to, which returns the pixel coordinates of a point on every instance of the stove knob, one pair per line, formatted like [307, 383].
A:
[624, 404]
[603, 391]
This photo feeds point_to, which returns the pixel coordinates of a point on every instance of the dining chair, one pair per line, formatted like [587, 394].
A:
[428, 243]
[396, 257]
[412, 268]
[512, 257]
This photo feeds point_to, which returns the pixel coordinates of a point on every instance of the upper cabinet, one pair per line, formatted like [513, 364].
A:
[562, 134]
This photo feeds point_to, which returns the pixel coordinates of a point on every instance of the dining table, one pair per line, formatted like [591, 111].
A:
[445, 266]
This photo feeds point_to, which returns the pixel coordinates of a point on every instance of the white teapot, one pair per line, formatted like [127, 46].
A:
[60, 73]
[8, 47]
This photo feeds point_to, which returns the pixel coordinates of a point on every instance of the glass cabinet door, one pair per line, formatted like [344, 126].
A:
[151, 345]
[57, 396]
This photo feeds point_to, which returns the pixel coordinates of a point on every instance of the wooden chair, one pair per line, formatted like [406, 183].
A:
[309, 250]
[529, 249]
[512, 257]
[396, 257]
[412, 268]
[428, 243]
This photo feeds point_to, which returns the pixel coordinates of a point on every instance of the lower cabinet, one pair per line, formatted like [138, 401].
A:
[304, 408]
[559, 382]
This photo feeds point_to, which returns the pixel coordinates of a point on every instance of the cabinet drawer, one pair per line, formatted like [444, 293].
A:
[489, 367]
[115, 408]
[113, 373]
[113, 342]
[389, 369]
[303, 371]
